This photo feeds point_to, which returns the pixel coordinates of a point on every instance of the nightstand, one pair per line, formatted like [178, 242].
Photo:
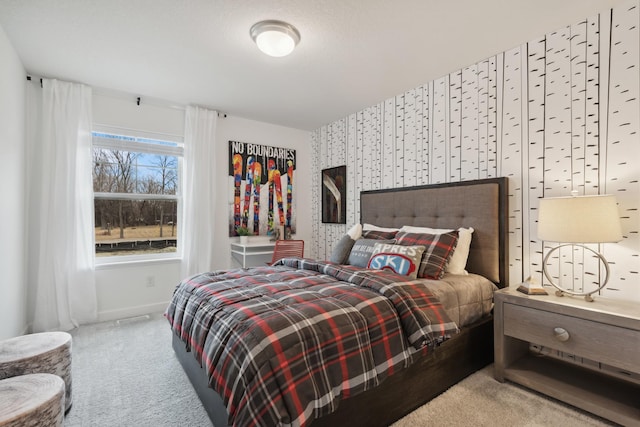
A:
[586, 354]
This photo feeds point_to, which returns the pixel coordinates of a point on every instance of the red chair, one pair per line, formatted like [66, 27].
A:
[287, 248]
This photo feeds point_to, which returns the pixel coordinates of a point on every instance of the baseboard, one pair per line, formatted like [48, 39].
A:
[123, 313]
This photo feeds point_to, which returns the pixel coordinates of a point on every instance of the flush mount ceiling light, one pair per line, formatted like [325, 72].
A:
[275, 38]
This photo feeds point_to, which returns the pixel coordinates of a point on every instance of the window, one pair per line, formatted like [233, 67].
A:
[136, 184]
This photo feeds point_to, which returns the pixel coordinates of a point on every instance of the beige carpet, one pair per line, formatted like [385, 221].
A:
[480, 400]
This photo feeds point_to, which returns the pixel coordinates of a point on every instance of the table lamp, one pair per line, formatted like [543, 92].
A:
[576, 220]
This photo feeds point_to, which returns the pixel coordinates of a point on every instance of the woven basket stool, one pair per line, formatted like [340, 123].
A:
[32, 400]
[45, 352]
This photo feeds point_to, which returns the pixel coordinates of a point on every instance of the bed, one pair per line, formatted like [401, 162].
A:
[438, 359]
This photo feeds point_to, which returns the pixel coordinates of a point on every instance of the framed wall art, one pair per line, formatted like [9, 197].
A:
[334, 195]
[261, 185]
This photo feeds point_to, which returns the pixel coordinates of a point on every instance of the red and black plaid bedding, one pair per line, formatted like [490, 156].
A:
[282, 345]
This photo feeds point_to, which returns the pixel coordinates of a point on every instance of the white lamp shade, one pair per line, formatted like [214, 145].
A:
[581, 219]
[275, 38]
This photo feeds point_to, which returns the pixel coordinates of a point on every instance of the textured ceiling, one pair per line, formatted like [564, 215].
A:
[353, 54]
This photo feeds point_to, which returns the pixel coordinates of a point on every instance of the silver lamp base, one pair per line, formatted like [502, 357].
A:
[562, 291]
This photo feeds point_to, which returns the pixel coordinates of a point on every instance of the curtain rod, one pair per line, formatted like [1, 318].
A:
[29, 79]
[138, 99]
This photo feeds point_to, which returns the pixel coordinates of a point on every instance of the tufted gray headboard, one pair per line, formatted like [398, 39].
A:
[481, 204]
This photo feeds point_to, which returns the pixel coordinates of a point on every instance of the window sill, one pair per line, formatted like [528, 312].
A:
[113, 262]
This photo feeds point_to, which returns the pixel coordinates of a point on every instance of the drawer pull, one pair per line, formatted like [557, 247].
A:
[561, 334]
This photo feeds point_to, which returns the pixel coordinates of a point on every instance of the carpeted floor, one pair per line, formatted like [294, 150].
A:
[125, 374]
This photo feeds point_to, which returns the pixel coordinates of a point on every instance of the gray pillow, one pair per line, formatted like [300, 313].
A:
[362, 250]
[341, 250]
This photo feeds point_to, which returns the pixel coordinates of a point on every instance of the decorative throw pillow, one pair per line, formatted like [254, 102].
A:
[342, 249]
[371, 231]
[404, 260]
[438, 252]
[379, 234]
[362, 250]
[458, 261]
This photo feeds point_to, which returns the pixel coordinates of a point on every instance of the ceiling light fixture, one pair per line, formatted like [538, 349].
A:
[275, 38]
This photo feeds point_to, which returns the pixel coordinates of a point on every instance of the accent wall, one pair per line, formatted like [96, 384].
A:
[556, 114]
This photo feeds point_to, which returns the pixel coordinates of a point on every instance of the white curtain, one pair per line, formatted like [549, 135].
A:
[199, 191]
[60, 261]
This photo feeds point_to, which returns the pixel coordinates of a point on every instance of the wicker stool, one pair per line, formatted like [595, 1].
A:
[46, 352]
[32, 400]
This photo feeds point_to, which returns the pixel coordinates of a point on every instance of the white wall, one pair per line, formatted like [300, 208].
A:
[12, 146]
[132, 289]
[560, 112]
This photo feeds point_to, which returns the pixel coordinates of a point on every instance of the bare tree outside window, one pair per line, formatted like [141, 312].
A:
[167, 171]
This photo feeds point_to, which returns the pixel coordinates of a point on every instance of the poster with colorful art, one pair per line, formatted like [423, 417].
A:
[261, 182]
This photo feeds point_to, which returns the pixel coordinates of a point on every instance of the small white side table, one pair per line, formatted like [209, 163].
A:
[254, 253]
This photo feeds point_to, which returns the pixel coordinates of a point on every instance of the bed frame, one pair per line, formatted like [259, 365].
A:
[481, 204]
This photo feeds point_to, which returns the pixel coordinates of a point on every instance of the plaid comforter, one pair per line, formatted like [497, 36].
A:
[282, 345]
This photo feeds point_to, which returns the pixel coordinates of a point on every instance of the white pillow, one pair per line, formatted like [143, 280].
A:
[366, 226]
[458, 260]
[355, 232]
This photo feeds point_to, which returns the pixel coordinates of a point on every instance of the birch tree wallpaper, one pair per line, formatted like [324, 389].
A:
[556, 114]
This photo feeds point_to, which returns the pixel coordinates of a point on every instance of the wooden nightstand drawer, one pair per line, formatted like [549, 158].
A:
[605, 343]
